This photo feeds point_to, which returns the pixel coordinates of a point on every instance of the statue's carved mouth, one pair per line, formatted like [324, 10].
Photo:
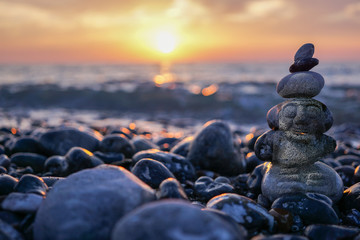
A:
[300, 132]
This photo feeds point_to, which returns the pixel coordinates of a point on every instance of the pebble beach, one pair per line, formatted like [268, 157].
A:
[162, 161]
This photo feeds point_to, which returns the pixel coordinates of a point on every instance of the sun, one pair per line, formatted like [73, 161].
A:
[165, 41]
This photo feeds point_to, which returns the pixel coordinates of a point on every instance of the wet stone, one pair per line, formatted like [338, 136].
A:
[29, 183]
[3, 170]
[305, 51]
[171, 188]
[60, 141]
[125, 163]
[182, 147]
[24, 144]
[340, 150]
[5, 138]
[356, 177]
[8, 232]
[239, 183]
[4, 161]
[207, 173]
[166, 144]
[22, 202]
[347, 174]
[214, 149]
[109, 157]
[11, 218]
[151, 172]
[117, 144]
[50, 181]
[169, 219]
[124, 132]
[348, 160]
[279, 237]
[300, 84]
[27, 226]
[141, 143]
[353, 152]
[207, 188]
[284, 219]
[7, 184]
[181, 168]
[311, 207]
[255, 178]
[330, 162]
[239, 228]
[351, 198]
[35, 161]
[352, 218]
[244, 211]
[325, 232]
[263, 201]
[18, 172]
[305, 64]
[252, 161]
[251, 138]
[79, 158]
[55, 165]
[87, 204]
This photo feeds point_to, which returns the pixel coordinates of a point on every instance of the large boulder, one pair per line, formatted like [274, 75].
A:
[176, 220]
[87, 204]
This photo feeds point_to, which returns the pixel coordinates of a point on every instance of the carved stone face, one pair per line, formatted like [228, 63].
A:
[302, 117]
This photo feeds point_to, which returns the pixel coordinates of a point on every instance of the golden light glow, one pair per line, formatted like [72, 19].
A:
[165, 41]
[210, 90]
[163, 78]
[132, 126]
[13, 130]
[195, 89]
[125, 130]
[249, 137]
[179, 30]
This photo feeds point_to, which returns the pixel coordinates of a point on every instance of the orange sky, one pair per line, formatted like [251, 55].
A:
[67, 31]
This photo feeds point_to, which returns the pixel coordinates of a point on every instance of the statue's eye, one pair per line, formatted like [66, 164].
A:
[289, 111]
[313, 111]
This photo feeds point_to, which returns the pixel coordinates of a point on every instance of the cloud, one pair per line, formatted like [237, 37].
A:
[223, 7]
[17, 14]
[186, 8]
[253, 10]
[80, 6]
[350, 12]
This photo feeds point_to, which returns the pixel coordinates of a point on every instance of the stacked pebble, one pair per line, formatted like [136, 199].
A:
[296, 141]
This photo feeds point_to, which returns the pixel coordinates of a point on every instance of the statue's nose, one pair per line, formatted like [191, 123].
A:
[300, 117]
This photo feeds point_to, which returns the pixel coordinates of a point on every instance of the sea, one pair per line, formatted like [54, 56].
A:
[164, 93]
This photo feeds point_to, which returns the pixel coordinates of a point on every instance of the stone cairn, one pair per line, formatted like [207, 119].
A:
[296, 142]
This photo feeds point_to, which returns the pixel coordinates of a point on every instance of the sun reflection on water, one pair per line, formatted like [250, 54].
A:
[210, 90]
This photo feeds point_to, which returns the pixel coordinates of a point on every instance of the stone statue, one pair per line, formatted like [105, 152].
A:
[296, 141]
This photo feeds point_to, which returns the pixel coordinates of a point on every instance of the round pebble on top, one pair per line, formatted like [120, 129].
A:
[300, 84]
[305, 51]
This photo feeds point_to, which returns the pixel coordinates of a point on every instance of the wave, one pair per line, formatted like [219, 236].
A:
[244, 102]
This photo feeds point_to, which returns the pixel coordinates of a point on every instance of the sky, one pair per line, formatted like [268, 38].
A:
[121, 31]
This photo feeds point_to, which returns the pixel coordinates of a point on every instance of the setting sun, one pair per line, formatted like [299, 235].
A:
[165, 42]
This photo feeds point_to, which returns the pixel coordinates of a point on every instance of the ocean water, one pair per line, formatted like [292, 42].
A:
[239, 92]
[85, 75]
